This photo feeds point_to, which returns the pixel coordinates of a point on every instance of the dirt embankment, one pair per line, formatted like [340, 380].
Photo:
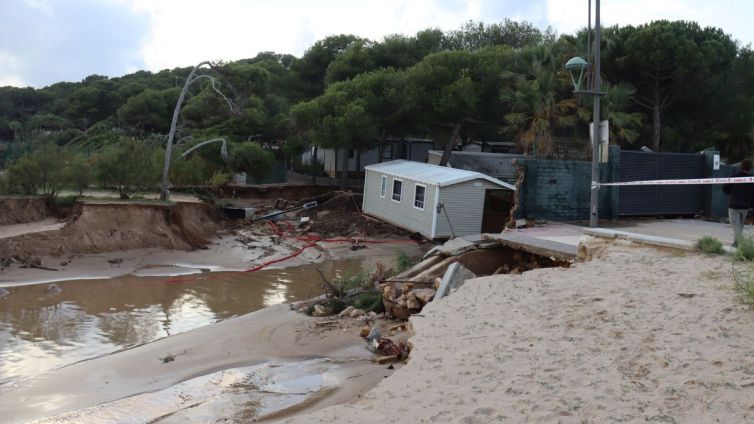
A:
[106, 227]
[20, 210]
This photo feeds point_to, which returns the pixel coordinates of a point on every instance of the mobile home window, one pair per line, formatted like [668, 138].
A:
[419, 196]
[383, 187]
[397, 190]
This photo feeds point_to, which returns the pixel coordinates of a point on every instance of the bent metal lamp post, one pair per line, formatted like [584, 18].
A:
[578, 67]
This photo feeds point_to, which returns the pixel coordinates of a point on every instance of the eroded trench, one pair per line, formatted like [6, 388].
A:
[437, 276]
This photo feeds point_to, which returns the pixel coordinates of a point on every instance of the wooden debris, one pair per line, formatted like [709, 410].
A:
[385, 359]
[403, 325]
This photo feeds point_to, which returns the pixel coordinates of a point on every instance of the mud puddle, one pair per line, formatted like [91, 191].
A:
[43, 328]
[269, 390]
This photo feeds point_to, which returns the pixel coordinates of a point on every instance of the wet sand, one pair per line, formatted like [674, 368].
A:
[224, 253]
[274, 333]
[68, 391]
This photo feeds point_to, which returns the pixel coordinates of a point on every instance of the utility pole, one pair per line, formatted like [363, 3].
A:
[594, 199]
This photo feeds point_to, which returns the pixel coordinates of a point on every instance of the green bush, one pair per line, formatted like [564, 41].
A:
[252, 159]
[59, 203]
[128, 167]
[403, 262]
[219, 179]
[48, 170]
[745, 249]
[77, 173]
[709, 245]
[370, 302]
[191, 171]
[4, 189]
[24, 176]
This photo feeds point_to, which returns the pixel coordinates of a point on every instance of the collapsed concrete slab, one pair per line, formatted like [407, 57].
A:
[454, 278]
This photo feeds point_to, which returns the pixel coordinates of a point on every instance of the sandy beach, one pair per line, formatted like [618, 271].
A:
[639, 335]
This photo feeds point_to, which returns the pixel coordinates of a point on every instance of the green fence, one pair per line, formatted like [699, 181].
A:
[278, 174]
[10, 152]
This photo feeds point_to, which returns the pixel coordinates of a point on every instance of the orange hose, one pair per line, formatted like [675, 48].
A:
[310, 240]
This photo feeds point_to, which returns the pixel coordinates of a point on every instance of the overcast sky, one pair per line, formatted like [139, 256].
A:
[46, 41]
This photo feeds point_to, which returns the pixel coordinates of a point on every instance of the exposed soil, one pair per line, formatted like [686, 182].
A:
[105, 227]
[20, 210]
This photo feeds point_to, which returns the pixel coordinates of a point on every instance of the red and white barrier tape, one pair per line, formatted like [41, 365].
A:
[688, 181]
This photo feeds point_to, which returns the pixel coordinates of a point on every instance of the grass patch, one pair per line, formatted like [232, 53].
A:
[403, 262]
[357, 290]
[745, 249]
[744, 280]
[710, 246]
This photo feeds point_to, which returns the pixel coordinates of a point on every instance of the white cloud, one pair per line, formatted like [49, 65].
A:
[10, 70]
[186, 32]
[730, 15]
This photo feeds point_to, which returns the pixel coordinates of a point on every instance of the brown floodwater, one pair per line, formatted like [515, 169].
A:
[42, 329]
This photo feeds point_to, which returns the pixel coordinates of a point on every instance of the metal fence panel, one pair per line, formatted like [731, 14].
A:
[666, 200]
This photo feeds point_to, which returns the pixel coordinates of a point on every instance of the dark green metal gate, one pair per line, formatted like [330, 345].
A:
[660, 200]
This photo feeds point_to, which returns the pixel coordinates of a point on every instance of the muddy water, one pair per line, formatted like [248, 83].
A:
[42, 329]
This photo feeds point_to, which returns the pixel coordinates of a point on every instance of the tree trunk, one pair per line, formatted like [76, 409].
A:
[656, 128]
[357, 156]
[171, 134]
[449, 146]
[401, 153]
[381, 148]
[313, 164]
[344, 169]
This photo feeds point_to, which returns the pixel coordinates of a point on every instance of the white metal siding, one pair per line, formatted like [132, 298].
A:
[402, 214]
[464, 204]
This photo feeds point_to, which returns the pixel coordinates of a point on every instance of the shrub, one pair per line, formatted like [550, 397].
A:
[745, 249]
[252, 159]
[24, 176]
[128, 167]
[403, 262]
[61, 203]
[219, 179]
[744, 280]
[709, 245]
[191, 171]
[77, 173]
[4, 189]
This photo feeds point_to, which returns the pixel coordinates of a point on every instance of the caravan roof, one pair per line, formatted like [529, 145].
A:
[432, 174]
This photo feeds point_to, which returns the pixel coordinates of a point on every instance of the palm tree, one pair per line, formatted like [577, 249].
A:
[537, 109]
[624, 126]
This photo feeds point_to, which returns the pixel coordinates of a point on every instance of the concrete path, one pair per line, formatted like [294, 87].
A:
[685, 231]
[682, 229]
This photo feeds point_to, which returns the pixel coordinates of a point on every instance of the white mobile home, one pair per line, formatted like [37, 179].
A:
[333, 160]
[436, 201]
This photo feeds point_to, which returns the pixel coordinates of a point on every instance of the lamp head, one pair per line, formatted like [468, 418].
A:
[577, 67]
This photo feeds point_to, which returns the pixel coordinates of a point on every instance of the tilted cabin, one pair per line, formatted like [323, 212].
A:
[436, 201]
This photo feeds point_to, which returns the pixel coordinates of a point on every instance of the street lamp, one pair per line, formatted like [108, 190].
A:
[578, 67]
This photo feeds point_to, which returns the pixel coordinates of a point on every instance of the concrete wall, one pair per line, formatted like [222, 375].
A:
[464, 204]
[402, 214]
